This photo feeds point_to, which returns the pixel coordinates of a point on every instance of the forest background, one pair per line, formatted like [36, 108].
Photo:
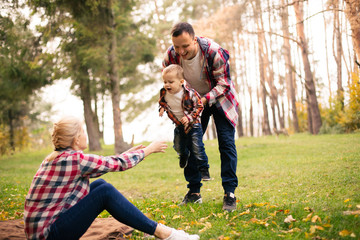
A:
[295, 65]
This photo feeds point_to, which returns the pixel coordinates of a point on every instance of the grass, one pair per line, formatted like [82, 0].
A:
[315, 179]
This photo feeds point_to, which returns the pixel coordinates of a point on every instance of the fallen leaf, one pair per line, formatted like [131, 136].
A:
[315, 218]
[162, 222]
[291, 230]
[177, 216]
[357, 212]
[308, 217]
[346, 200]
[344, 233]
[191, 209]
[289, 219]
[308, 209]
[246, 212]
[223, 238]
[207, 226]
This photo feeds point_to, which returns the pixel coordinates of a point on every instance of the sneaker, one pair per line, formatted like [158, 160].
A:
[191, 198]
[229, 202]
[205, 175]
[180, 235]
[183, 160]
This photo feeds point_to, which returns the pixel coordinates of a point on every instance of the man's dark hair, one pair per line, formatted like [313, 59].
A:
[181, 27]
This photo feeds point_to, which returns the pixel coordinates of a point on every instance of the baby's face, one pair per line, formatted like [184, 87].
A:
[172, 83]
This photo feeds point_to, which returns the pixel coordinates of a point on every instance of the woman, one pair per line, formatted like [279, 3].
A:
[62, 204]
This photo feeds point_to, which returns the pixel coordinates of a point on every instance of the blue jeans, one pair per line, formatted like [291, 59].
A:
[228, 155]
[184, 144]
[73, 223]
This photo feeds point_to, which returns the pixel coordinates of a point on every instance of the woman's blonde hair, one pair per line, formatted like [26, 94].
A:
[64, 133]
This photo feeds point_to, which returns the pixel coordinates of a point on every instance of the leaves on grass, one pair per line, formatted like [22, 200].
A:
[289, 219]
[356, 212]
[345, 233]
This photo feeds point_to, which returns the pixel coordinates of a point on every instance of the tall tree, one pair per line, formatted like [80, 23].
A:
[284, 14]
[314, 118]
[24, 69]
[261, 51]
[338, 52]
[352, 13]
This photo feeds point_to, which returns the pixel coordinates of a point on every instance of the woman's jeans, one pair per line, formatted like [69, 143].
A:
[73, 223]
[192, 142]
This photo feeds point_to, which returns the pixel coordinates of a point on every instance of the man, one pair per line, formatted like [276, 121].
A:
[206, 69]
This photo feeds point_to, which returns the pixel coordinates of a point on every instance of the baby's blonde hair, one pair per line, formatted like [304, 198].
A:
[64, 133]
[179, 71]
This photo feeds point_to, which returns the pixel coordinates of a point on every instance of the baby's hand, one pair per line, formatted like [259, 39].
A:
[185, 121]
[161, 112]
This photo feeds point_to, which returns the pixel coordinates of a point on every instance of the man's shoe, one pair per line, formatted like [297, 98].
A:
[183, 160]
[191, 198]
[205, 175]
[229, 202]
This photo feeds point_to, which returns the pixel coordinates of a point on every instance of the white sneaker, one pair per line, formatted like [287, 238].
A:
[180, 235]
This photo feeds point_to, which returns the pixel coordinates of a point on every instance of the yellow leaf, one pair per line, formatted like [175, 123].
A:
[308, 217]
[286, 211]
[246, 212]
[235, 233]
[308, 209]
[345, 201]
[315, 218]
[344, 233]
[162, 222]
[177, 216]
[327, 225]
[191, 209]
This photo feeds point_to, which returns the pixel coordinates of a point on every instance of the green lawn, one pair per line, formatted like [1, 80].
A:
[315, 179]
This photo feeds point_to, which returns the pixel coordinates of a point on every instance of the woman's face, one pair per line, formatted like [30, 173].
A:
[81, 141]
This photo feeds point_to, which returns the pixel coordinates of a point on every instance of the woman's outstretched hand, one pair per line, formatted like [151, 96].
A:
[155, 147]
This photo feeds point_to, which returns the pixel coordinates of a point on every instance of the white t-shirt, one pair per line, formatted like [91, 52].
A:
[193, 74]
[174, 102]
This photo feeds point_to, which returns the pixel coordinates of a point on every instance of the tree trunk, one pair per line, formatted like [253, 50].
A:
[94, 141]
[352, 13]
[309, 81]
[240, 123]
[119, 145]
[251, 118]
[289, 67]
[11, 129]
[338, 54]
[265, 122]
[326, 53]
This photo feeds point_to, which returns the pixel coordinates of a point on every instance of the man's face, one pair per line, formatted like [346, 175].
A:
[185, 45]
